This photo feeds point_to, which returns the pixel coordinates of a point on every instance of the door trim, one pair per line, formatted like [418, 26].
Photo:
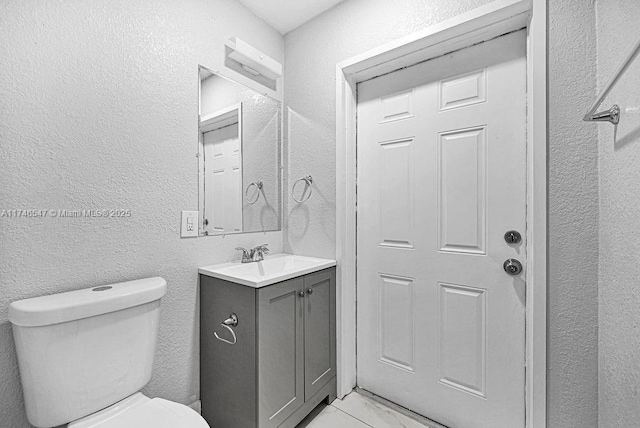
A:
[481, 24]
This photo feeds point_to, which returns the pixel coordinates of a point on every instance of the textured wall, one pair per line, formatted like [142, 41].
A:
[355, 26]
[619, 314]
[98, 109]
[572, 399]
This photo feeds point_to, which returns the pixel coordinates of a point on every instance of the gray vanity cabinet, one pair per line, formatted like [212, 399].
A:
[284, 361]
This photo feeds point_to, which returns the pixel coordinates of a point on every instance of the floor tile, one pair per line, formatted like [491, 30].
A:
[325, 416]
[373, 413]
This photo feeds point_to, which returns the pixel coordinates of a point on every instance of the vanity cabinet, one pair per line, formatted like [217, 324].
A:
[283, 363]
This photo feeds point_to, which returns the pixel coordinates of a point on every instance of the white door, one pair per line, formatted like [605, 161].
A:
[223, 180]
[441, 178]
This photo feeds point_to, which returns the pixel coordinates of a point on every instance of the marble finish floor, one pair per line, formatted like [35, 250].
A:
[359, 411]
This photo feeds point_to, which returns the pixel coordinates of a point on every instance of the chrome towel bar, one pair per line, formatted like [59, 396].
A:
[613, 114]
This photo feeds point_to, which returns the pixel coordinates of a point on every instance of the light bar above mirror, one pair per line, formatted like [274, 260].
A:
[252, 60]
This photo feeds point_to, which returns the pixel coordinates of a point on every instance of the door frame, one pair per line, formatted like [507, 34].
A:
[478, 25]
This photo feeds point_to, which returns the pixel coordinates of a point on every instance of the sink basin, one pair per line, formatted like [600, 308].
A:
[275, 268]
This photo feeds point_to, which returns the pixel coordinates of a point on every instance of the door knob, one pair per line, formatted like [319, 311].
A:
[512, 266]
[512, 237]
[301, 293]
[310, 291]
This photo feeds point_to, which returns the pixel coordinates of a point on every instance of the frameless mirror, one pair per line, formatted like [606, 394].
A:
[239, 132]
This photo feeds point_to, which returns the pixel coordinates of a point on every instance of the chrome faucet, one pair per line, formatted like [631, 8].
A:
[255, 254]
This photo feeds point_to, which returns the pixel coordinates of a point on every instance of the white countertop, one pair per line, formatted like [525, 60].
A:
[274, 268]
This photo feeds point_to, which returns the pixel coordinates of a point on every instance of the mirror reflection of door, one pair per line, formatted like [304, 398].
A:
[221, 137]
[239, 143]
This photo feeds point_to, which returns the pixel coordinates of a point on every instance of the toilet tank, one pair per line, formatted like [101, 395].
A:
[81, 351]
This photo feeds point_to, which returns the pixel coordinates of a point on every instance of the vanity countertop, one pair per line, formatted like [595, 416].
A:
[274, 268]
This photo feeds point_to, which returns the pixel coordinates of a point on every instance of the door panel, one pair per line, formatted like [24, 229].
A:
[319, 330]
[463, 90]
[463, 335]
[222, 150]
[280, 351]
[441, 178]
[462, 190]
[395, 315]
[396, 193]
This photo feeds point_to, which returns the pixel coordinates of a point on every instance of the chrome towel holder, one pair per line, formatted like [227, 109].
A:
[308, 180]
[613, 114]
[258, 184]
[232, 321]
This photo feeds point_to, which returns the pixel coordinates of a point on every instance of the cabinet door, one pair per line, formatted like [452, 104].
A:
[319, 330]
[280, 352]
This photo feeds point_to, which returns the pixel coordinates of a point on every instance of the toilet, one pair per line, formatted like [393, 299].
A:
[84, 356]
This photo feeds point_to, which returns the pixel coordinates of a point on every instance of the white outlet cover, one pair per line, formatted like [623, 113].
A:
[189, 224]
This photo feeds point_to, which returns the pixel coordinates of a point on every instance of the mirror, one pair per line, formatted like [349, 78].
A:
[239, 131]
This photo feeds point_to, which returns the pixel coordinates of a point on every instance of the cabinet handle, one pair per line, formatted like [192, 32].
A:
[301, 293]
[310, 291]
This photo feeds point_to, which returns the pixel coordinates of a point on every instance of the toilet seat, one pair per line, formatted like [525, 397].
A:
[139, 411]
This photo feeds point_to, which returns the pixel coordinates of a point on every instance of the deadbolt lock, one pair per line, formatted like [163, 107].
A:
[512, 237]
[512, 266]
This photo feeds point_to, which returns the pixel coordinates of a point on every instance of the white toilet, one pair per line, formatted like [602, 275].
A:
[84, 355]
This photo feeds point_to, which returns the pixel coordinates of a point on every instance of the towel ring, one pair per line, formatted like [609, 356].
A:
[231, 321]
[308, 180]
[258, 184]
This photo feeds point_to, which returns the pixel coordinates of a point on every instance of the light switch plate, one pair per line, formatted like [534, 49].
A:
[189, 224]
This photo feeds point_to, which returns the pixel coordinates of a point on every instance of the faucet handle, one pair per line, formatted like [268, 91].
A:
[259, 252]
[246, 254]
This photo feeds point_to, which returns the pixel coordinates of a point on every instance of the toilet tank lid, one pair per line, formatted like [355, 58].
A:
[88, 302]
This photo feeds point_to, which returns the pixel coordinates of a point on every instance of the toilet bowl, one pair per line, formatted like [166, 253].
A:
[138, 411]
[84, 355]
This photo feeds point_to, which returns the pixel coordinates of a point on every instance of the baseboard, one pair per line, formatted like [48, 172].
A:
[197, 406]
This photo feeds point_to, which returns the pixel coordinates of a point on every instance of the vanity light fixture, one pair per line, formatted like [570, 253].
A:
[250, 70]
[252, 60]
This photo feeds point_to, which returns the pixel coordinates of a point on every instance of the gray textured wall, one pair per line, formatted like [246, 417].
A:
[358, 25]
[619, 339]
[572, 399]
[98, 109]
